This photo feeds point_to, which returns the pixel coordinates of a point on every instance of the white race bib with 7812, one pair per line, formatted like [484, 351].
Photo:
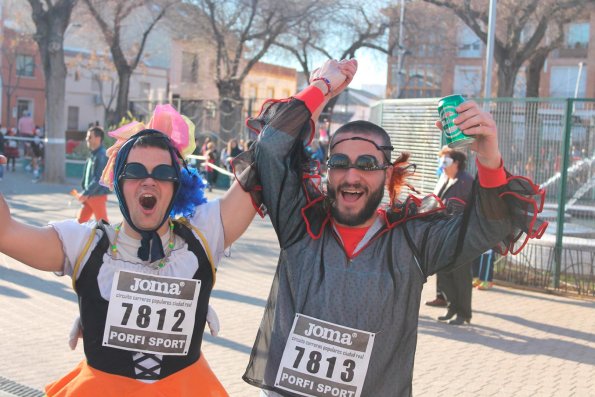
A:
[151, 314]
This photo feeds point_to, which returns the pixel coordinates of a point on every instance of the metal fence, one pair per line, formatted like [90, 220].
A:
[550, 140]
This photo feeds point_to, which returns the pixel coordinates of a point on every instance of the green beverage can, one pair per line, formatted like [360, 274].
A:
[453, 135]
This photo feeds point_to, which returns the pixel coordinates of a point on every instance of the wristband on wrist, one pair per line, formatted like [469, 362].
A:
[326, 81]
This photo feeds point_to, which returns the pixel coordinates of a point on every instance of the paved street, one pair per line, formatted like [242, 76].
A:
[519, 343]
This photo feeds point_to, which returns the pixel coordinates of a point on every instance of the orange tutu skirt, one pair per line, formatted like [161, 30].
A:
[85, 381]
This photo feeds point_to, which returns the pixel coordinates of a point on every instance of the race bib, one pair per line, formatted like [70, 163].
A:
[151, 314]
[324, 359]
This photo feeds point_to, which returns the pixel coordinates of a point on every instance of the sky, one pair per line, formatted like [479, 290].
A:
[371, 68]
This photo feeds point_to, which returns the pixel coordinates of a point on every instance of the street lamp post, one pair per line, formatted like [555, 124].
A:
[400, 52]
[487, 93]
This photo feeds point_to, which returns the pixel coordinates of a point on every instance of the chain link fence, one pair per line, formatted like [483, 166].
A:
[551, 141]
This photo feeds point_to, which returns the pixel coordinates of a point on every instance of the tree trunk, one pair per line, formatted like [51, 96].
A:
[503, 112]
[123, 89]
[532, 140]
[230, 109]
[7, 115]
[51, 23]
[50, 38]
[506, 79]
[55, 125]
[534, 74]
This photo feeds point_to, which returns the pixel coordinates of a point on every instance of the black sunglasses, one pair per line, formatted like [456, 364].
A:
[163, 172]
[365, 162]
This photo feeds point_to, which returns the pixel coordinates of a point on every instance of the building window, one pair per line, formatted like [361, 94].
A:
[577, 35]
[427, 46]
[25, 65]
[422, 81]
[270, 92]
[145, 89]
[563, 81]
[467, 80]
[468, 44]
[73, 118]
[24, 105]
[189, 67]
[253, 92]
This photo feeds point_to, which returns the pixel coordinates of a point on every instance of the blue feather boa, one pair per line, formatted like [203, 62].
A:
[190, 195]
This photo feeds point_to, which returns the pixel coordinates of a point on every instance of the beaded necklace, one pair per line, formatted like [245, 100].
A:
[170, 245]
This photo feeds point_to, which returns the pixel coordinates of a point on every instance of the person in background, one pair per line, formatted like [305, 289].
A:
[483, 270]
[2, 152]
[93, 197]
[212, 158]
[454, 286]
[11, 149]
[26, 129]
[229, 153]
[205, 144]
[26, 125]
[37, 155]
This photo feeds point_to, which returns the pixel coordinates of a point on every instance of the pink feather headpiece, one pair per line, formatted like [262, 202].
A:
[165, 119]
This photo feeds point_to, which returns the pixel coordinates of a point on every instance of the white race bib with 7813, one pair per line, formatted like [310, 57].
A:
[323, 359]
[151, 314]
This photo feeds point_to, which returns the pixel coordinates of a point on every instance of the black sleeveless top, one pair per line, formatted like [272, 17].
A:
[93, 312]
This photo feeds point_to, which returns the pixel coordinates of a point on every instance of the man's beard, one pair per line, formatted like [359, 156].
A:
[357, 219]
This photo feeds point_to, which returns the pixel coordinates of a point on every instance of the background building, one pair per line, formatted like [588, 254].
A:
[23, 83]
[442, 56]
[267, 81]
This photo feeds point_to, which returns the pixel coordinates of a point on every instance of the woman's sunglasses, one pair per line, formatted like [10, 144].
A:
[365, 162]
[162, 172]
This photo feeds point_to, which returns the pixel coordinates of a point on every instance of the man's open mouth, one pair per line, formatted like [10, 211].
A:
[351, 195]
[147, 201]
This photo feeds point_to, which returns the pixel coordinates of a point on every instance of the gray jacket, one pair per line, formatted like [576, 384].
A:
[378, 289]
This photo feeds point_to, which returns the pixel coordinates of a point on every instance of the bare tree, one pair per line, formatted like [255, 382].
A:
[51, 19]
[337, 33]
[111, 16]
[522, 29]
[424, 53]
[243, 31]
[99, 68]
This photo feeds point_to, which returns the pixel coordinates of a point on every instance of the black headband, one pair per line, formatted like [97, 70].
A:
[382, 148]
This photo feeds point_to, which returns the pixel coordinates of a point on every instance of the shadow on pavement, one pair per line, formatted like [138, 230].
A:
[218, 340]
[544, 297]
[549, 328]
[509, 342]
[12, 293]
[53, 288]
[232, 296]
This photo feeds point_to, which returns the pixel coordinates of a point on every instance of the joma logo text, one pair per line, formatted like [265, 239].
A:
[333, 335]
[156, 286]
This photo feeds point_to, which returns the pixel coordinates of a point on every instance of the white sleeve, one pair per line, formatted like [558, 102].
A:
[74, 236]
[207, 219]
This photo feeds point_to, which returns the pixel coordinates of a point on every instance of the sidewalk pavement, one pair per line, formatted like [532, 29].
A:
[519, 343]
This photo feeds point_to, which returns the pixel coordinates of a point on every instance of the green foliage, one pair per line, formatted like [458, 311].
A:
[108, 140]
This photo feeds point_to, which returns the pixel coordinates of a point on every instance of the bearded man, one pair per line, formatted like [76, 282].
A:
[341, 317]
